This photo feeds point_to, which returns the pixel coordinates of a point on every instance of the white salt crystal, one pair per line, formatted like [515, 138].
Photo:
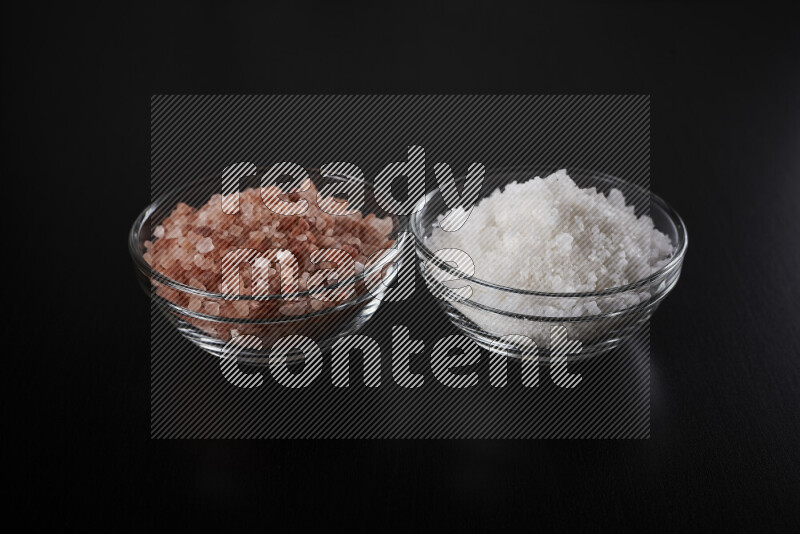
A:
[532, 236]
[549, 235]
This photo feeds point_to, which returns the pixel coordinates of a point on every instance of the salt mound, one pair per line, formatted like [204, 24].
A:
[190, 244]
[547, 234]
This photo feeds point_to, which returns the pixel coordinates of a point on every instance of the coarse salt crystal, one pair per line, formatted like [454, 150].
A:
[174, 233]
[194, 282]
[547, 234]
[211, 307]
[242, 308]
[205, 245]
[195, 303]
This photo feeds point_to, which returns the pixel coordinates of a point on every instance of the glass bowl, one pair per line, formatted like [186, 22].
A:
[269, 318]
[493, 313]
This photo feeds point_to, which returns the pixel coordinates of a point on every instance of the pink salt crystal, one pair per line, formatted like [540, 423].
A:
[242, 308]
[205, 245]
[302, 237]
[148, 258]
[247, 212]
[167, 260]
[193, 237]
[195, 303]
[211, 308]
[194, 282]
[182, 208]
[158, 231]
[327, 242]
[303, 285]
[167, 293]
[202, 262]
[230, 203]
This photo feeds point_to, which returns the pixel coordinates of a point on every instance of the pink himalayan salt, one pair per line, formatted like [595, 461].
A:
[190, 243]
[195, 303]
[174, 233]
[242, 308]
[194, 282]
[210, 307]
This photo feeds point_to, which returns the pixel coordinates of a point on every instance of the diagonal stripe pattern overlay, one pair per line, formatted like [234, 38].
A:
[376, 394]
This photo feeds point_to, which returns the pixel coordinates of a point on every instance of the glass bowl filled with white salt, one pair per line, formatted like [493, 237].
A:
[547, 253]
[228, 270]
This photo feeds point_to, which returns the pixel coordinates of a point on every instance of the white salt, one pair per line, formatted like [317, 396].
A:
[549, 235]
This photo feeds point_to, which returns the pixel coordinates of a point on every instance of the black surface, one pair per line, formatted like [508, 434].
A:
[725, 86]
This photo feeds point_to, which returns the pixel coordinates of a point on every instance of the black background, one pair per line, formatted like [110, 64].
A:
[725, 86]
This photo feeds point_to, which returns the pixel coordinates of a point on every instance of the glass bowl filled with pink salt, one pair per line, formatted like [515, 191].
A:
[575, 256]
[237, 272]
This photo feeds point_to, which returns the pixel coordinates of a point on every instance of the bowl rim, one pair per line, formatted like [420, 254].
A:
[675, 260]
[400, 232]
